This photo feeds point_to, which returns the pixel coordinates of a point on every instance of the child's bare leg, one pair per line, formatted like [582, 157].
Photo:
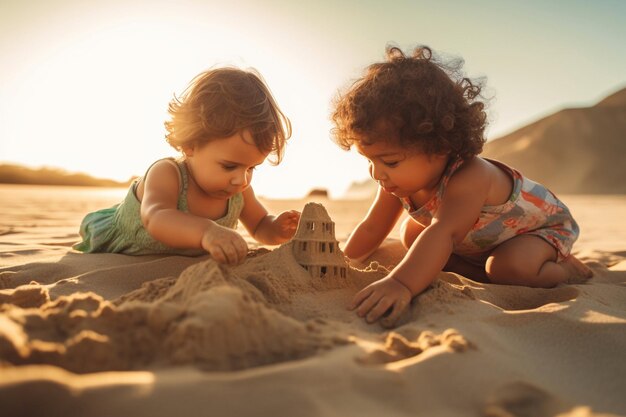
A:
[579, 272]
[409, 231]
[526, 260]
[460, 266]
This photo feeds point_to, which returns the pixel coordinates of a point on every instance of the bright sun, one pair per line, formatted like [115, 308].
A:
[93, 97]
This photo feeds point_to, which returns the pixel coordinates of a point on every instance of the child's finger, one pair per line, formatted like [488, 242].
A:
[392, 318]
[379, 309]
[230, 253]
[217, 254]
[241, 248]
[293, 216]
[367, 304]
[359, 297]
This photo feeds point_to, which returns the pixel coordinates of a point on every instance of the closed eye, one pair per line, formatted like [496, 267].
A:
[391, 164]
[232, 167]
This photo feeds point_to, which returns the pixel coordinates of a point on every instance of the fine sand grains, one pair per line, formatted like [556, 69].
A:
[213, 316]
[270, 326]
[216, 317]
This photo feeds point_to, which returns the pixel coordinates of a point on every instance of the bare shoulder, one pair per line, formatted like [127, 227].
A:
[163, 168]
[474, 175]
[483, 178]
[163, 177]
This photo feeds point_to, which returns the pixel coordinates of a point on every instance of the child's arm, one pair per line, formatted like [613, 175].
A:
[167, 224]
[459, 209]
[375, 227]
[263, 227]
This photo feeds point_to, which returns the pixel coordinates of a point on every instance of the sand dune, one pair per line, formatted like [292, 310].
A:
[106, 334]
[17, 174]
[578, 150]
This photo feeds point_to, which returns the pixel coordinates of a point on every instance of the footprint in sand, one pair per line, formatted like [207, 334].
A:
[521, 399]
[524, 298]
[397, 347]
[509, 297]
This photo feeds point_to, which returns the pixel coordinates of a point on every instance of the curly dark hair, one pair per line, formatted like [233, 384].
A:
[418, 101]
[223, 101]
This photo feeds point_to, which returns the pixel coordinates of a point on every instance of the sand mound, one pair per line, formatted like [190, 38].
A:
[213, 316]
[578, 150]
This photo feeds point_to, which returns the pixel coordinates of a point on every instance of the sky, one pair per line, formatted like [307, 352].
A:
[84, 85]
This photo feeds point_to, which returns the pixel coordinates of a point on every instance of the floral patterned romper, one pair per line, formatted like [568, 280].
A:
[531, 209]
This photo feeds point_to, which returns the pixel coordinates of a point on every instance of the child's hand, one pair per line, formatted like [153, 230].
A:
[224, 244]
[286, 224]
[373, 301]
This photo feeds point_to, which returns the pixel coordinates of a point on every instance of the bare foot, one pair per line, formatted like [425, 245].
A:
[578, 272]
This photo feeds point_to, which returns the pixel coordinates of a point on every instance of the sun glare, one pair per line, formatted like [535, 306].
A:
[85, 86]
[95, 102]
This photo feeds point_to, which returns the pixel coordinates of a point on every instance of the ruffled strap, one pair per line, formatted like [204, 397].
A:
[184, 178]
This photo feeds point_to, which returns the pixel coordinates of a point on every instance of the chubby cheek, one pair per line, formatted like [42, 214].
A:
[216, 178]
[405, 181]
[248, 180]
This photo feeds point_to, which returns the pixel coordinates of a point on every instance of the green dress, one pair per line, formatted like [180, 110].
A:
[119, 229]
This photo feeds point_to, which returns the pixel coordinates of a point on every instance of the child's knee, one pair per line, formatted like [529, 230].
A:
[508, 270]
[523, 261]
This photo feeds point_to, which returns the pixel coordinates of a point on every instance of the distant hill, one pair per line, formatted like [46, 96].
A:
[576, 151]
[17, 174]
[318, 192]
[361, 189]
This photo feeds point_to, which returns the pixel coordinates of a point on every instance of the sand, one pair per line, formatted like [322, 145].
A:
[107, 334]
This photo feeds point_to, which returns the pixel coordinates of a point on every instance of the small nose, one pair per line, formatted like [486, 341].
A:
[241, 179]
[376, 173]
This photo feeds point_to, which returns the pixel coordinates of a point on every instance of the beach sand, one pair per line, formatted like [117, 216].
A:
[114, 335]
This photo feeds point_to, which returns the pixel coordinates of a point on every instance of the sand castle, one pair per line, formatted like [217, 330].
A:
[314, 245]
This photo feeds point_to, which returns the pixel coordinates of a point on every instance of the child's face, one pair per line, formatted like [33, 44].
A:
[223, 167]
[400, 171]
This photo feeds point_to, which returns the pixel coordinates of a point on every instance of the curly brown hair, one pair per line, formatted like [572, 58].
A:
[418, 101]
[220, 102]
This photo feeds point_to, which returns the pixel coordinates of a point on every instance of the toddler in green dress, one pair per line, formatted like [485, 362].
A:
[225, 124]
